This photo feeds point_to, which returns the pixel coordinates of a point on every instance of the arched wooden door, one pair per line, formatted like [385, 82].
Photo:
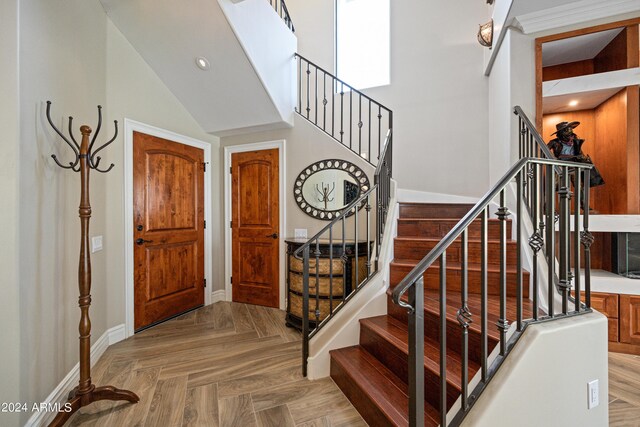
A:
[168, 228]
[255, 227]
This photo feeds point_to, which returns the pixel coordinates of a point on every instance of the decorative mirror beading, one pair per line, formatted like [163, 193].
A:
[325, 188]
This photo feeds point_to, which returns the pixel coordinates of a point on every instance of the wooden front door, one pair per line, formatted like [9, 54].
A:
[168, 228]
[255, 227]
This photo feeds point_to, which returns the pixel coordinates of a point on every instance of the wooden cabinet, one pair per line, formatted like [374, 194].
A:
[630, 319]
[330, 283]
[607, 304]
[623, 314]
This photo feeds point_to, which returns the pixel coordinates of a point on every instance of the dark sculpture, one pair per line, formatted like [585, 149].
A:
[568, 146]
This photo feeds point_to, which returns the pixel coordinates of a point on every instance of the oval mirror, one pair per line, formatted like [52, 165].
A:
[325, 188]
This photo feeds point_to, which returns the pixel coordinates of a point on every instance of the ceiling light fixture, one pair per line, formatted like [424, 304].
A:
[203, 63]
[485, 34]
[573, 103]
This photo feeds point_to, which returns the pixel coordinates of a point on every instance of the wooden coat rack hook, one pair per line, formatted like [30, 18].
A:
[85, 160]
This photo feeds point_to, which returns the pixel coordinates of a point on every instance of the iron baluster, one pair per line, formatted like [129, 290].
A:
[535, 242]
[576, 237]
[484, 342]
[416, 358]
[519, 183]
[464, 316]
[305, 309]
[331, 269]
[317, 283]
[586, 238]
[443, 339]
[550, 239]
[563, 192]
[503, 323]
[308, 93]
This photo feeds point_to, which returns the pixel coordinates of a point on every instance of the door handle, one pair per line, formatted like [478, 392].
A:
[141, 241]
[273, 236]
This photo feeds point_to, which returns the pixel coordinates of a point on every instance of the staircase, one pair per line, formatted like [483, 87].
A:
[374, 374]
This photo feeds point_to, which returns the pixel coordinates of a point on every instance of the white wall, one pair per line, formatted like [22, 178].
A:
[511, 83]
[9, 178]
[305, 145]
[71, 54]
[134, 91]
[438, 92]
[544, 379]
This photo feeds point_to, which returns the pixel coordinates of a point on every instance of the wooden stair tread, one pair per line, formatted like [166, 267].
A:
[395, 331]
[382, 386]
[451, 265]
[432, 304]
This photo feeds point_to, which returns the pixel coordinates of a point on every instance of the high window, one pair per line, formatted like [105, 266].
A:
[362, 42]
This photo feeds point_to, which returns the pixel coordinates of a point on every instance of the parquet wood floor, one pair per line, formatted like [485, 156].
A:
[232, 364]
[223, 365]
[624, 390]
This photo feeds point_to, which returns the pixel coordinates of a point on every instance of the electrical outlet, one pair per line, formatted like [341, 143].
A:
[300, 233]
[593, 397]
[96, 244]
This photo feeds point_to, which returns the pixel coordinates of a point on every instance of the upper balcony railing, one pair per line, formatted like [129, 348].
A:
[342, 112]
[281, 9]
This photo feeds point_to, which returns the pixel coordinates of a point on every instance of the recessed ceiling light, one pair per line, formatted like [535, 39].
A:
[573, 103]
[203, 63]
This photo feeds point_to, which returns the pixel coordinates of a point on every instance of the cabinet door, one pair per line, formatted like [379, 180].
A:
[630, 319]
[606, 304]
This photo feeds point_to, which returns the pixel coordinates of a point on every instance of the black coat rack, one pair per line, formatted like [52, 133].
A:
[85, 160]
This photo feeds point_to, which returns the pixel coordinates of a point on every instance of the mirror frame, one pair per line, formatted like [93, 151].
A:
[358, 175]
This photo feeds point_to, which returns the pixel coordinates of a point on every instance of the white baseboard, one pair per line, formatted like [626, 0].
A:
[219, 295]
[60, 393]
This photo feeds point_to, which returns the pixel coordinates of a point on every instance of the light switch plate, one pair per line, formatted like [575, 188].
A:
[96, 244]
[300, 233]
[593, 397]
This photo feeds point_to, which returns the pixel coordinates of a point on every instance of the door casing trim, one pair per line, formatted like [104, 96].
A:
[258, 146]
[131, 126]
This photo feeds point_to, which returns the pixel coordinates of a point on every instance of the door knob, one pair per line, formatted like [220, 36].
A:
[141, 241]
[273, 236]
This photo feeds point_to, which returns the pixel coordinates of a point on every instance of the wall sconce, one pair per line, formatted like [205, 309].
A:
[485, 34]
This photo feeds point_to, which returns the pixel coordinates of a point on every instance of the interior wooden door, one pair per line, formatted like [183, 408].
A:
[255, 227]
[168, 215]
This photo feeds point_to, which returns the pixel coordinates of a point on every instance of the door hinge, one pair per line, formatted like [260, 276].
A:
[231, 169]
[231, 280]
[230, 224]
[205, 282]
[205, 223]
[204, 166]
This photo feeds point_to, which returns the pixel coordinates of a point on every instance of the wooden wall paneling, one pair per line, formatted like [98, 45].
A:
[600, 252]
[564, 71]
[630, 319]
[614, 56]
[633, 46]
[538, 53]
[605, 303]
[610, 155]
[633, 149]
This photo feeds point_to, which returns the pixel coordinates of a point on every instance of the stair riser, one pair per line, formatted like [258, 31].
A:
[360, 399]
[398, 362]
[418, 249]
[454, 331]
[440, 228]
[432, 280]
[410, 210]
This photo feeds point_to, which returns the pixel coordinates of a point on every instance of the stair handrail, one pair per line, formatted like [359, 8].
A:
[382, 189]
[318, 95]
[413, 283]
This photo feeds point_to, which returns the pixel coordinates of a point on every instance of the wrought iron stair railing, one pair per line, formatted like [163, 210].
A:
[531, 144]
[547, 180]
[281, 9]
[354, 224]
[347, 115]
